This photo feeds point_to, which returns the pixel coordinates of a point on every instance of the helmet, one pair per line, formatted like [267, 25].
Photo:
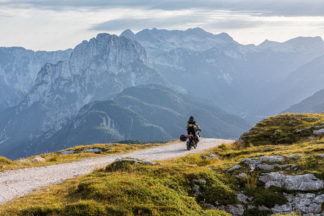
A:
[191, 118]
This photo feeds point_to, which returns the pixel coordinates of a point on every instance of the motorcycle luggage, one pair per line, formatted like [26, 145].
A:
[183, 138]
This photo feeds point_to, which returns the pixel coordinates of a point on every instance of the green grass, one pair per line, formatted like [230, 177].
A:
[168, 188]
[283, 129]
[57, 157]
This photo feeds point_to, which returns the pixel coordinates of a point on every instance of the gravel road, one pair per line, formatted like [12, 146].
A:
[16, 183]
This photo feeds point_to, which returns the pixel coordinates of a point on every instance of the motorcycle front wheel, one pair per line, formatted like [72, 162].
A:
[188, 145]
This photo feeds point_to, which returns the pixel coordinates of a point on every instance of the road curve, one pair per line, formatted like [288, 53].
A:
[16, 183]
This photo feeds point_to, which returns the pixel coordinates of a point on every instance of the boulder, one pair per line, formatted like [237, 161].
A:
[307, 182]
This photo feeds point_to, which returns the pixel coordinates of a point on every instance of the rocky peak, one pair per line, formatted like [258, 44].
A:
[128, 34]
[96, 70]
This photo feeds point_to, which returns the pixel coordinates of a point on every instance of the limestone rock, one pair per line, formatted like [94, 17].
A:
[319, 132]
[241, 176]
[307, 182]
[235, 210]
[242, 198]
[68, 152]
[304, 204]
[272, 159]
[234, 168]
[92, 150]
[265, 167]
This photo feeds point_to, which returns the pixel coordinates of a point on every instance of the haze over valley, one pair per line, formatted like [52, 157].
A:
[227, 85]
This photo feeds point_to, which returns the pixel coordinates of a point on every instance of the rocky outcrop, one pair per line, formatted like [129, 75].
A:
[307, 182]
[304, 193]
[308, 203]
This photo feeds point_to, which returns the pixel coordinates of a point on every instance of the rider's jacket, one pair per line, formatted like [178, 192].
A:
[192, 124]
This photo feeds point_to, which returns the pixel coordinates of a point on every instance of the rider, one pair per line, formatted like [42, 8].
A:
[192, 127]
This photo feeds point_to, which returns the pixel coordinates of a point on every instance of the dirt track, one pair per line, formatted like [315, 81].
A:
[16, 183]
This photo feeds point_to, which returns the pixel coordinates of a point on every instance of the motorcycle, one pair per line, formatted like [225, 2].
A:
[191, 141]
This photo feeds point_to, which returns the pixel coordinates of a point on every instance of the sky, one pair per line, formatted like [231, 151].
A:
[62, 24]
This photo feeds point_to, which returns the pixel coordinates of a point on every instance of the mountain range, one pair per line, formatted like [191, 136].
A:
[243, 79]
[18, 70]
[145, 112]
[96, 91]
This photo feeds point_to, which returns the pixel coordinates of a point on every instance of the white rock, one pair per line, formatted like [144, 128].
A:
[307, 182]
[236, 210]
[234, 168]
[242, 198]
[241, 176]
[286, 208]
[302, 203]
[272, 159]
[265, 167]
[249, 161]
[92, 150]
[38, 159]
[318, 132]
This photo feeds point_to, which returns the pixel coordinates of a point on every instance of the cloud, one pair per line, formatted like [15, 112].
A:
[190, 18]
[264, 7]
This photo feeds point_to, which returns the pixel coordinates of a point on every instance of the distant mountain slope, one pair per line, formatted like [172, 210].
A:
[18, 70]
[145, 113]
[96, 70]
[312, 104]
[239, 78]
[299, 85]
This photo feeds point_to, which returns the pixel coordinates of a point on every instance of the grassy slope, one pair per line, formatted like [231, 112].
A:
[168, 188]
[283, 129]
[57, 157]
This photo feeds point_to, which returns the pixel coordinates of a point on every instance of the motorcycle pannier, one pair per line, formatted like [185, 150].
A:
[183, 137]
